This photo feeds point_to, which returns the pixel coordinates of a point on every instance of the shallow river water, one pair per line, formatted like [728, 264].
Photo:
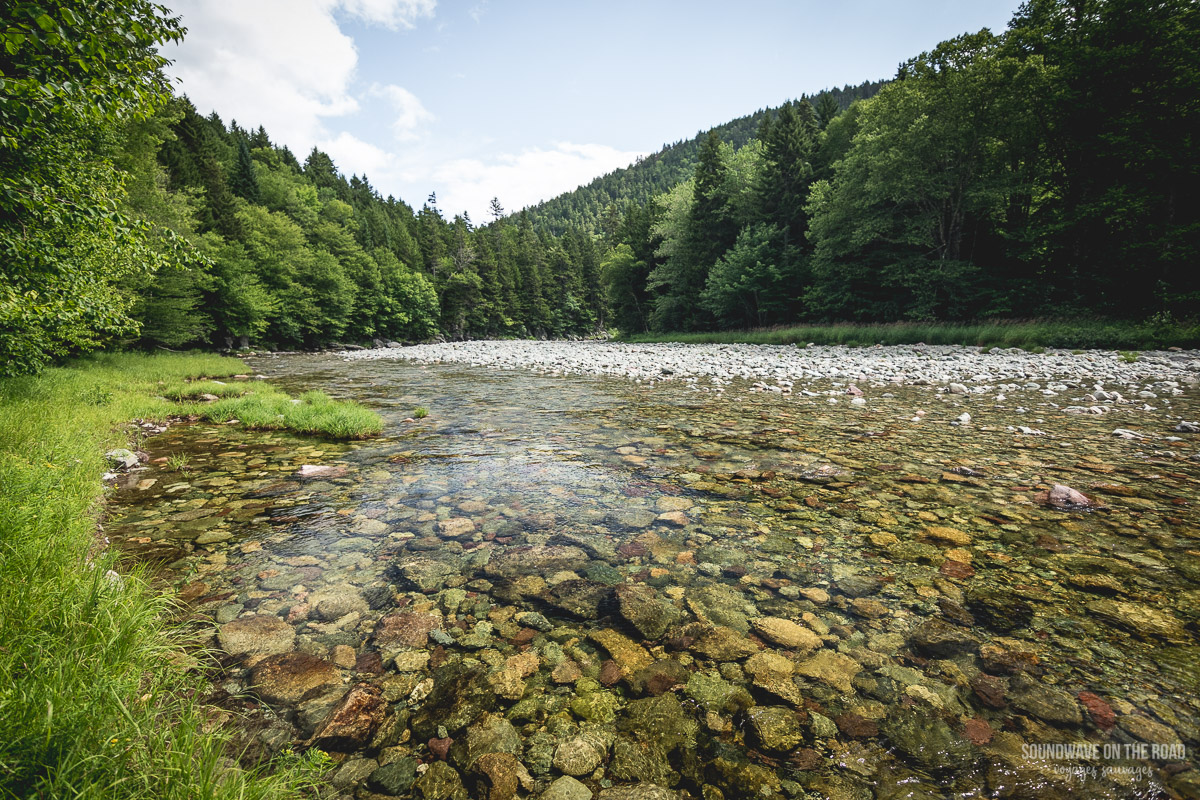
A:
[567, 587]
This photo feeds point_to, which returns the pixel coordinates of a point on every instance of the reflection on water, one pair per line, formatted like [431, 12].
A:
[738, 596]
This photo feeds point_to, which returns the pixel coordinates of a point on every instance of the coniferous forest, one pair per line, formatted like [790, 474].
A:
[1047, 171]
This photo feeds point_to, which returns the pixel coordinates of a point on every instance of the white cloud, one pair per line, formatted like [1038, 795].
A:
[353, 156]
[410, 113]
[283, 64]
[523, 179]
[391, 13]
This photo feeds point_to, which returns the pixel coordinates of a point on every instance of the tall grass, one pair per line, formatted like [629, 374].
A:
[314, 412]
[91, 704]
[1065, 334]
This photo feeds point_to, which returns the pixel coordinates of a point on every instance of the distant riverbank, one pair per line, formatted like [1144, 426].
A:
[1065, 334]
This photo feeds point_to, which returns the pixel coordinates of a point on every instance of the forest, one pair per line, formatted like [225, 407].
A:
[1047, 171]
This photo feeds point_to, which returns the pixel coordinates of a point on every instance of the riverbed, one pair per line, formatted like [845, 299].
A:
[650, 582]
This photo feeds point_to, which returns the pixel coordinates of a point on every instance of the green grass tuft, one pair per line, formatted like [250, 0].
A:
[92, 702]
[267, 408]
[421, 412]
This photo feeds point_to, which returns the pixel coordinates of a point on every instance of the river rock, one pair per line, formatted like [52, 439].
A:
[440, 782]
[580, 598]
[1147, 729]
[567, 788]
[999, 610]
[408, 629]
[638, 791]
[786, 633]
[941, 639]
[460, 695]
[426, 573]
[724, 644]
[1139, 619]
[580, 755]
[491, 734]
[351, 723]
[1043, 701]
[926, 740]
[286, 679]
[256, 636]
[831, 668]
[773, 672]
[1064, 497]
[514, 562]
[775, 727]
[640, 606]
[456, 528]
[122, 458]
[335, 602]
[628, 655]
[501, 774]
[395, 778]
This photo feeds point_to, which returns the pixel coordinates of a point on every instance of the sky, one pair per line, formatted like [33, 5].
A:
[526, 99]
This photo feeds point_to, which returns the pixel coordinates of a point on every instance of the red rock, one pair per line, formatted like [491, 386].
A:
[1100, 712]
[978, 731]
[633, 549]
[989, 690]
[440, 747]
[957, 569]
[369, 663]
[856, 727]
[192, 592]
[610, 673]
[352, 721]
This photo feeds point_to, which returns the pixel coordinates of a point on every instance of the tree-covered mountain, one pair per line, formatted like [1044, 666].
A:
[1050, 170]
[595, 209]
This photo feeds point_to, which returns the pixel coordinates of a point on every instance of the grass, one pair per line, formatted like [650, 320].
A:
[1025, 334]
[421, 412]
[267, 408]
[92, 704]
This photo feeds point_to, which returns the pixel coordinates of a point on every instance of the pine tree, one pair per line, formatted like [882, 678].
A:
[243, 182]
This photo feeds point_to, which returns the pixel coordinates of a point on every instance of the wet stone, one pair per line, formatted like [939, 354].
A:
[567, 788]
[1047, 703]
[776, 727]
[289, 678]
[786, 633]
[257, 635]
[640, 606]
[579, 756]
[440, 782]
[395, 778]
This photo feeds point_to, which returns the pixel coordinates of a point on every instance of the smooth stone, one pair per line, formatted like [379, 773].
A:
[257, 635]
[290, 678]
[567, 788]
[786, 633]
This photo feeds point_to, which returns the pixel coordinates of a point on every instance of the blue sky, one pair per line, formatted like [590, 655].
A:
[525, 100]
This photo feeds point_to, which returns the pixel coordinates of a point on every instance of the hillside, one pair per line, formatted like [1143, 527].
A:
[584, 209]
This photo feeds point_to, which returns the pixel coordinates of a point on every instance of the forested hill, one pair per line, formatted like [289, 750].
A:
[596, 207]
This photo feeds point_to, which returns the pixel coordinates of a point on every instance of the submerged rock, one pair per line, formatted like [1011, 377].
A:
[286, 679]
[256, 636]
[352, 722]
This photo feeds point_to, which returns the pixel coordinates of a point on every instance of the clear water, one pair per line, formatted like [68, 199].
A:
[672, 517]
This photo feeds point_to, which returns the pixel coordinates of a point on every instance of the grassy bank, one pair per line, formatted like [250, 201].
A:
[91, 705]
[1067, 334]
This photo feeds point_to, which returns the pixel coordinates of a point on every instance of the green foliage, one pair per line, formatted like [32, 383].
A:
[96, 702]
[421, 412]
[70, 76]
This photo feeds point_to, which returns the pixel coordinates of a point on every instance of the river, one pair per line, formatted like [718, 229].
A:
[574, 586]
